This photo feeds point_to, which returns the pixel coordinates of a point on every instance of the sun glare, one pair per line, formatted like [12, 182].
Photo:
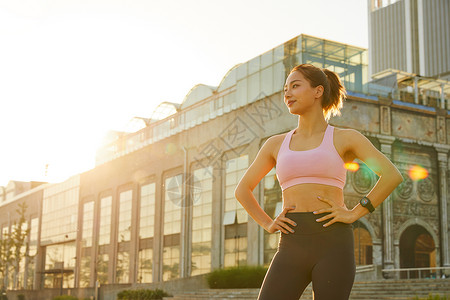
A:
[417, 172]
[352, 166]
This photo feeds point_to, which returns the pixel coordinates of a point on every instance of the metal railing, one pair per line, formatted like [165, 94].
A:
[365, 268]
[428, 272]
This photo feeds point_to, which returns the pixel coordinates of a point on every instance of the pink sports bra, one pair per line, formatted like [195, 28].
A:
[321, 165]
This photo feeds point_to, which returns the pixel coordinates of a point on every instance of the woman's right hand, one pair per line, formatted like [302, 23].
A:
[280, 222]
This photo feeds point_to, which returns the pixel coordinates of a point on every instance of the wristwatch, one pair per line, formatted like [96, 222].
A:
[365, 202]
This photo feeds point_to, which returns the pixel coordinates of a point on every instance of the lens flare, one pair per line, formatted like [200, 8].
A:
[352, 166]
[417, 172]
[170, 148]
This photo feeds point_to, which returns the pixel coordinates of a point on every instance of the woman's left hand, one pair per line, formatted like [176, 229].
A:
[336, 213]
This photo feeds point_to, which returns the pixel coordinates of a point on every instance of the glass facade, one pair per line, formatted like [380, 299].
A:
[60, 211]
[123, 267]
[146, 232]
[235, 216]
[59, 263]
[351, 63]
[104, 240]
[88, 224]
[32, 251]
[102, 268]
[235, 169]
[147, 211]
[123, 238]
[145, 271]
[272, 206]
[22, 264]
[201, 221]
[104, 235]
[85, 271]
[86, 243]
[173, 198]
[125, 202]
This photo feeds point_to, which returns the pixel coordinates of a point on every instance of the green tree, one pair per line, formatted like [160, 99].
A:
[6, 257]
[14, 246]
[19, 236]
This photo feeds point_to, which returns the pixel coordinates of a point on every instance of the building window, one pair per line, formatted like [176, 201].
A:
[235, 216]
[86, 243]
[173, 197]
[145, 271]
[85, 270]
[88, 224]
[59, 260]
[32, 251]
[102, 268]
[125, 202]
[235, 169]
[123, 267]
[146, 233]
[147, 211]
[60, 212]
[104, 239]
[273, 207]
[201, 221]
[123, 238]
[105, 221]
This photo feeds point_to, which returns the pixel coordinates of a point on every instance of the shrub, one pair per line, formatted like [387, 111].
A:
[237, 277]
[65, 297]
[431, 297]
[142, 294]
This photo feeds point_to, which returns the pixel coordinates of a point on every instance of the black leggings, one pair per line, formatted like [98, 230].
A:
[323, 255]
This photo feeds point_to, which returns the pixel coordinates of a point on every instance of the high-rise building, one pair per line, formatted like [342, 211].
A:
[410, 35]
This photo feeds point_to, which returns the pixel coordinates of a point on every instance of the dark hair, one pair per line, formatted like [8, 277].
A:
[333, 91]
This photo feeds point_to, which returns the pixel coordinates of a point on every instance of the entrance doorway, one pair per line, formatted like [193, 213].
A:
[417, 250]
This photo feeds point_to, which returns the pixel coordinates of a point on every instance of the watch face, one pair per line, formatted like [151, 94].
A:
[364, 201]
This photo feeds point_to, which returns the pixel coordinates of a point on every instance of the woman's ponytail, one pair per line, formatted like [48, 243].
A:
[332, 104]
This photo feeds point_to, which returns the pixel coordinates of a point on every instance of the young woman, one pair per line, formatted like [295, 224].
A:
[316, 242]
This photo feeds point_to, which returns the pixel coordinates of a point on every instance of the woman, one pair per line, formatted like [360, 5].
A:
[316, 242]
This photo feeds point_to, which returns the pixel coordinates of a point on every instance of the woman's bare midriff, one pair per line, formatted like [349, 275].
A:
[304, 196]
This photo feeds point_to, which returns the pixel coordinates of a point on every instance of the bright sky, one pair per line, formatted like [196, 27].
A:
[72, 70]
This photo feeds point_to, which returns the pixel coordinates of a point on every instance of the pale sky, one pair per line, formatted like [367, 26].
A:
[72, 70]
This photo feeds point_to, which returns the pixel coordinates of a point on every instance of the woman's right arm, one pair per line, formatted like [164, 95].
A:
[263, 163]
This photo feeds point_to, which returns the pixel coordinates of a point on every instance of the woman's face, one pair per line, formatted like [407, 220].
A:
[299, 96]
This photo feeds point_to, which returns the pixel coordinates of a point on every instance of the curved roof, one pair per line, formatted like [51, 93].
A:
[164, 109]
[229, 79]
[136, 124]
[202, 91]
[197, 93]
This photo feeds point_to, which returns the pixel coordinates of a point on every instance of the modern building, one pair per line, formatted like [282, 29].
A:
[160, 205]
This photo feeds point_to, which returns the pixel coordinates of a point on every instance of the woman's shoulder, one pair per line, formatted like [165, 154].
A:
[273, 143]
[347, 138]
[343, 132]
[276, 139]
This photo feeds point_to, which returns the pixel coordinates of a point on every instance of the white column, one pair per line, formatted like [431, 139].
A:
[387, 213]
[421, 36]
[443, 185]
[408, 38]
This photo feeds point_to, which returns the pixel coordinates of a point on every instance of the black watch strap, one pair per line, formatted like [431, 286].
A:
[365, 202]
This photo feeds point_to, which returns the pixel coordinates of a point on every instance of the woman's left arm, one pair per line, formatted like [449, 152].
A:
[390, 178]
